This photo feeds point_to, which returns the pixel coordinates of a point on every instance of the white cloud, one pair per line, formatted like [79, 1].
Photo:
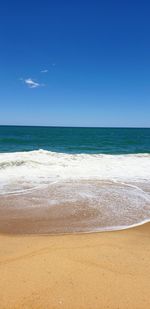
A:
[31, 83]
[44, 71]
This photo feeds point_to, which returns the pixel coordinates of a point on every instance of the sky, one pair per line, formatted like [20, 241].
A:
[75, 63]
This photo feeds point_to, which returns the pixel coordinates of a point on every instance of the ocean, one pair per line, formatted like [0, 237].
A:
[66, 180]
[75, 140]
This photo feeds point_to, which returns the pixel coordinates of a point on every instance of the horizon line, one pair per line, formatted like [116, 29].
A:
[63, 126]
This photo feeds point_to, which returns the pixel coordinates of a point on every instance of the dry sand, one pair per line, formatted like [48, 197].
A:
[88, 271]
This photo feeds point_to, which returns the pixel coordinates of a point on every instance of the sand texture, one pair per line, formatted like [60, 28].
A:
[86, 271]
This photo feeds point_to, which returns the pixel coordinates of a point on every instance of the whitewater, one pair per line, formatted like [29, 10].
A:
[63, 193]
[41, 167]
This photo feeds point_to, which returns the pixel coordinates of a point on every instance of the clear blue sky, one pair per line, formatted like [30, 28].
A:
[97, 54]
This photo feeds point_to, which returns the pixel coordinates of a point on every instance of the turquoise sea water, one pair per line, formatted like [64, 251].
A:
[75, 140]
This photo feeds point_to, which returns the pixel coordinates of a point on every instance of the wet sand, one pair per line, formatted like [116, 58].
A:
[85, 271]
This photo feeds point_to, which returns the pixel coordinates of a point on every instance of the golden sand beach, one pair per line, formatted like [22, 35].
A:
[85, 271]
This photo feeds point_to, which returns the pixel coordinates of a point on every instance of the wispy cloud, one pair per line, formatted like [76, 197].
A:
[44, 71]
[31, 83]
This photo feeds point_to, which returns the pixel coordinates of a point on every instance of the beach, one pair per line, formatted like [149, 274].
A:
[72, 205]
[97, 270]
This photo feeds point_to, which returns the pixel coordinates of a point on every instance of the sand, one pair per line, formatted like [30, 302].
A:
[88, 271]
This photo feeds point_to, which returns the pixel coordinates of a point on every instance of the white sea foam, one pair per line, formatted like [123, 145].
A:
[111, 191]
[43, 167]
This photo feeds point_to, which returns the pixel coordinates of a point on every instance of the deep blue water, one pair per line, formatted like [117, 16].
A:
[75, 140]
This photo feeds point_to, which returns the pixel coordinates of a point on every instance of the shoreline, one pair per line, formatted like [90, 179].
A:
[106, 230]
[90, 270]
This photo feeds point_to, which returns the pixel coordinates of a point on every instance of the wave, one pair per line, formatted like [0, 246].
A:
[24, 171]
[119, 227]
[100, 166]
[99, 192]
